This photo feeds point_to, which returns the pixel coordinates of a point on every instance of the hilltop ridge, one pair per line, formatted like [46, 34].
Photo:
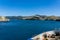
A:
[35, 17]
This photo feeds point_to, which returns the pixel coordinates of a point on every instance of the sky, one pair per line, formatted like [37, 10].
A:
[29, 7]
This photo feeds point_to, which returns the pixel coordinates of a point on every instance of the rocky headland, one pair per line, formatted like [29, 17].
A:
[35, 17]
[3, 18]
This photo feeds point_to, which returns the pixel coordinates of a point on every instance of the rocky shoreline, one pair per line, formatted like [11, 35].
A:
[34, 17]
[3, 18]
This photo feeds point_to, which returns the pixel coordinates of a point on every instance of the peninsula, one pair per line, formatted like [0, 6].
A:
[3, 18]
[35, 17]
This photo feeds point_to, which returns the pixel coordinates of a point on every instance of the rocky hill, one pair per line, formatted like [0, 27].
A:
[35, 17]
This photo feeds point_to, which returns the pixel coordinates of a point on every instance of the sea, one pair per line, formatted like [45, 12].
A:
[25, 29]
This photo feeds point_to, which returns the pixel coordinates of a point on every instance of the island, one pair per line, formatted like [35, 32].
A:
[34, 17]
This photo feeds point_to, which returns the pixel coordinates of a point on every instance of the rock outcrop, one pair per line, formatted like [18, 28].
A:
[35, 17]
[3, 18]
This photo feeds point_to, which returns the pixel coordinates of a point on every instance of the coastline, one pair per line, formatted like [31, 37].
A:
[34, 17]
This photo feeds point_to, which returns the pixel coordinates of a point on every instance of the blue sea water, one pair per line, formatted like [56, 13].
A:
[25, 29]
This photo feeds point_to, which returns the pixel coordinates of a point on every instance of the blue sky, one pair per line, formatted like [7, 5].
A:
[29, 7]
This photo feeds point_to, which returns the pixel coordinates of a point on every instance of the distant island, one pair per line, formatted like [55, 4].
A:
[34, 17]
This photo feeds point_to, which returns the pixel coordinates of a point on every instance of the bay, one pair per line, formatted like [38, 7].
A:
[25, 29]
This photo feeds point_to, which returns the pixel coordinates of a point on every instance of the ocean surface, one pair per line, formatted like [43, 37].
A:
[25, 29]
